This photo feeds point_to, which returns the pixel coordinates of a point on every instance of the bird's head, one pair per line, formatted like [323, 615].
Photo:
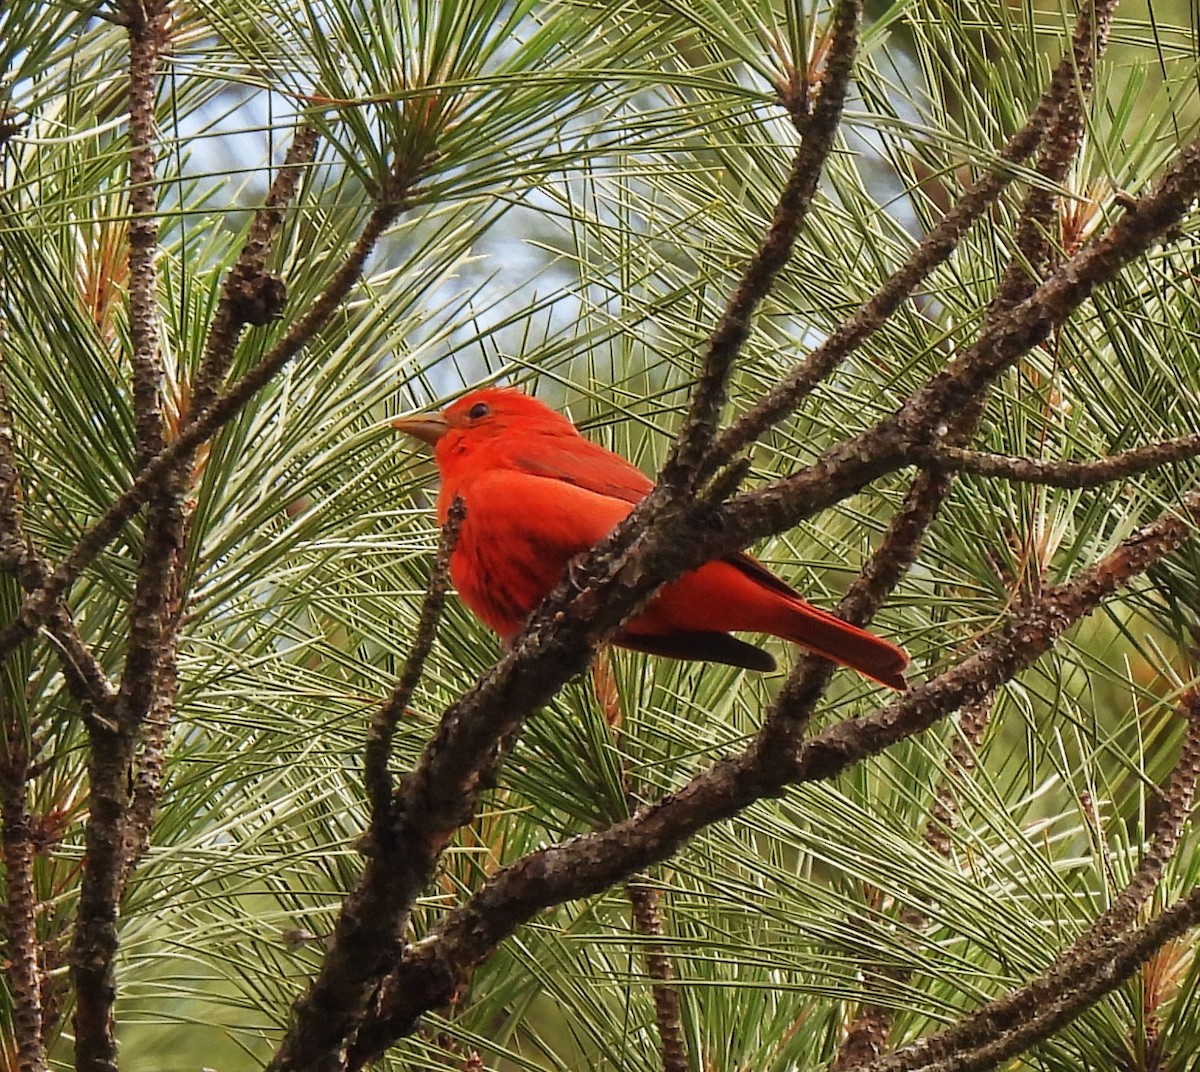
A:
[483, 417]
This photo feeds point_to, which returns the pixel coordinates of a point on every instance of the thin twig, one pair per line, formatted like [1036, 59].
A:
[1069, 474]
[376, 775]
[682, 469]
[668, 1013]
[972, 724]
[85, 677]
[931, 251]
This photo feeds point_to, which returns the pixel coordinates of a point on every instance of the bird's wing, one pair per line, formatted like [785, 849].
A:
[587, 465]
[579, 461]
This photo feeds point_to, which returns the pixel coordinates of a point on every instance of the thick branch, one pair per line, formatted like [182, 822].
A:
[156, 723]
[431, 971]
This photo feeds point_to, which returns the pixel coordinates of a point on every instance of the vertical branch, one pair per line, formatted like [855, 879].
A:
[365, 938]
[147, 36]
[644, 899]
[20, 910]
[111, 750]
[149, 764]
[667, 1011]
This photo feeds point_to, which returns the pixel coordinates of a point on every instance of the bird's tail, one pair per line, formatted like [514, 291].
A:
[822, 633]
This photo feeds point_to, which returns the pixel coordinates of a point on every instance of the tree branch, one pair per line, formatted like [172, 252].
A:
[21, 968]
[432, 971]
[733, 329]
[668, 1013]
[376, 775]
[1094, 965]
[202, 423]
[931, 251]
[1067, 474]
[110, 752]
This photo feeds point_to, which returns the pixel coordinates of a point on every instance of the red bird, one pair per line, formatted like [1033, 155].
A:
[538, 494]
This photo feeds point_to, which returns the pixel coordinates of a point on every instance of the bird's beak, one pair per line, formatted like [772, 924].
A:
[427, 427]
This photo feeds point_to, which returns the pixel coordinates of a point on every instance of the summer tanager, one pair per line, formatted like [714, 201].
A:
[537, 494]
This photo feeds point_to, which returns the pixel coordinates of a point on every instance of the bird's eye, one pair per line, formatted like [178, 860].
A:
[480, 409]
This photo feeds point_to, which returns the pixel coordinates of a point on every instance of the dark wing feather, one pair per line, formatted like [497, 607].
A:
[707, 647]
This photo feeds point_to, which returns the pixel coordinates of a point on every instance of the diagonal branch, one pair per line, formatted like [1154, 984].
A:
[1094, 965]
[921, 421]
[84, 675]
[931, 251]
[432, 971]
[733, 329]
[204, 422]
